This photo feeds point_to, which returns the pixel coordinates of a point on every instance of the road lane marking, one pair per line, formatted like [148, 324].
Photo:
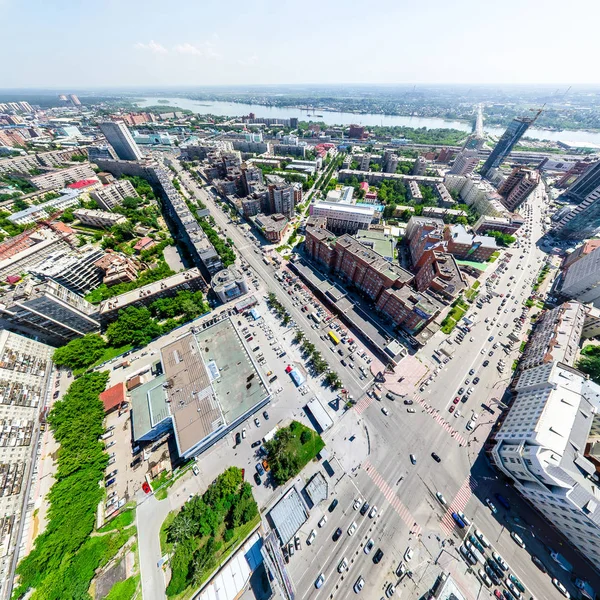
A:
[437, 417]
[391, 497]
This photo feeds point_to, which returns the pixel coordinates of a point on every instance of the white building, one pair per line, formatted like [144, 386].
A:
[344, 218]
[39, 212]
[99, 218]
[229, 284]
[343, 195]
[582, 279]
[548, 446]
[465, 163]
[59, 179]
[476, 192]
[113, 194]
[118, 136]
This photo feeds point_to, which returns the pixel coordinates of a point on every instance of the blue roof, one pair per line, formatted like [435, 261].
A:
[254, 314]
[297, 377]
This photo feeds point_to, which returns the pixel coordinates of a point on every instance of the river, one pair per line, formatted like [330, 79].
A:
[235, 109]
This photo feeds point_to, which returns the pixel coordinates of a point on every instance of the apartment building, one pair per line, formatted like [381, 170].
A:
[465, 163]
[74, 269]
[548, 445]
[518, 186]
[591, 323]
[407, 308]
[21, 253]
[118, 136]
[98, 218]
[476, 192]
[510, 224]
[283, 198]
[42, 211]
[48, 311]
[191, 280]
[60, 178]
[469, 246]
[112, 195]
[24, 164]
[579, 252]
[117, 268]
[555, 336]
[582, 279]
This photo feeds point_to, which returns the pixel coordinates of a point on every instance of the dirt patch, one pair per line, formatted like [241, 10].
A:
[105, 581]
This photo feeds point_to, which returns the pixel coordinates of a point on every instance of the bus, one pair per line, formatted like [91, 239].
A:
[316, 318]
[334, 338]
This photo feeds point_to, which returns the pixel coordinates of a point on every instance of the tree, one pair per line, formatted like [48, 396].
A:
[134, 326]
[81, 352]
[299, 336]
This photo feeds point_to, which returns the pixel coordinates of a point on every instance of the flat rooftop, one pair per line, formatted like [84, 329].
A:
[380, 242]
[149, 406]
[211, 381]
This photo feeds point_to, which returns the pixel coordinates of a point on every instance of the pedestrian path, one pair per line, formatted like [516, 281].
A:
[391, 497]
[439, 419]
[363, 404]
[458, 504]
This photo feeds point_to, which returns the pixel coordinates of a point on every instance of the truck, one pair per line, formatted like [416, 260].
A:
[563, 563]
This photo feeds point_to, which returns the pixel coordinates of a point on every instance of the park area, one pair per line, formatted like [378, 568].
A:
[291, 449]
[203, 534]
[459, 308]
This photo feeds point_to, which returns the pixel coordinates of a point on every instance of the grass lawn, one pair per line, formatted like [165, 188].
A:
[124, 590]
[454, 316]
[122, 520]
[292, 449]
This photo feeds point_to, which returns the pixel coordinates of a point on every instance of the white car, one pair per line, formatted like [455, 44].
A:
[358, 586]
[561, 588]
[343, 566]
[373, 512]
[463, 517]
[320, 580]
[369, 546]
[323, 521]
[441, 498]
[357, 503]
[311, 537]
[408, 554]
[484, 541]
[352, 528]
[517, 540]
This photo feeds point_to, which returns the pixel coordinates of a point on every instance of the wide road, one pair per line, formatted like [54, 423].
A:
[403, 492]
[266, 273]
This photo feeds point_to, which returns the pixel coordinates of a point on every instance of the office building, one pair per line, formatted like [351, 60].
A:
[518, 186]
[61, 178]
[586, 184]
[112, 195]
[514, 132]
[555, 336]
[169, 286]
[229, 284]
[118, 136]
[74, 269]
[581, 222]
[344, 218]
[581, 281]
[465, 163]
[47, 311]
[99, 218]
[548, 446]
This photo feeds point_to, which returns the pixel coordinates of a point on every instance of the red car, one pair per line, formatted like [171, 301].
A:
[249, 339]
[456, 400]
[452, 407]
[498, 594]
[146, 487]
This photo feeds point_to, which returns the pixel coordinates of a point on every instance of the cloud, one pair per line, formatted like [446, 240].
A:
[205, 49]
[248, 61]
[152, 46]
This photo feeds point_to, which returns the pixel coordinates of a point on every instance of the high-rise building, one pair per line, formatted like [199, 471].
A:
[282, 199]
[74, 100]
[356, 131]
[518, 186]
[48, 311]
[583, 221]
[514, 132]
[390, 162]
[548, 446]
[584, 185]
[582, 279]
[121, 140]
[465, 163]
[102, 152]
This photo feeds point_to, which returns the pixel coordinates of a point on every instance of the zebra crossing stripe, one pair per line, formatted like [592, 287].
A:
[391, 497]
[458, 504]
[434, 413]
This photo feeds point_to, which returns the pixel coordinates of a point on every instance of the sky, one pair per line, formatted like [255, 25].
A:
[128, 43]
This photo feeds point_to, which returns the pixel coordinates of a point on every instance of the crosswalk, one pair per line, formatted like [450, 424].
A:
[363, 404]
[458, 504]
[434, 413]
[391, 497]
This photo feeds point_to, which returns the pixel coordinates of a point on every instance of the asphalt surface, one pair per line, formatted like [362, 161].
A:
[409, 512]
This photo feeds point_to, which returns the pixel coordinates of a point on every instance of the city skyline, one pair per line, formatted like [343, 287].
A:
[268, 43]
